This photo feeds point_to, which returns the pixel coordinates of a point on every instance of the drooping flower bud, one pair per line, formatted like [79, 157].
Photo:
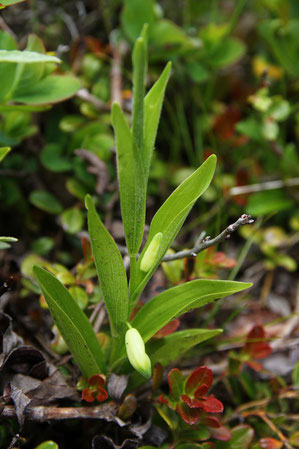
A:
[150, 255]
[136, 353]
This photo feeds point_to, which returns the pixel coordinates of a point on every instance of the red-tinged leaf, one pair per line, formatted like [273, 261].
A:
[221, 433]
[201, 391]
[102, 394]
[175, 382]
[211, 422]
[96, 380]
[157, 377]
[168, 329]
[207, 403]
[270, 443]
[86, 248]
[255, 346]
[218, 258]
[212, 405]
[88, 395]
[191, 402]
[163, 400]
[201, 376]
[189, 415]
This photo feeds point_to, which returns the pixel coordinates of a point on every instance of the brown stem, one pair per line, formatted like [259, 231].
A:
[107, 412]
[207, 242]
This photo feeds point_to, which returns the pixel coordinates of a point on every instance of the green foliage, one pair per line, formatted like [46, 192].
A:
[111, 271]
[134, 150]
[73, 324]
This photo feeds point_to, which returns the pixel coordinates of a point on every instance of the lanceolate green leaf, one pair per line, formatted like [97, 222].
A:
[152, 111]
[72, 323]
[52, 89]
[110, 269]
[139, 72]
[131, 182]
[172, 214]
[26, 57]
[170, 348]
[180, 299]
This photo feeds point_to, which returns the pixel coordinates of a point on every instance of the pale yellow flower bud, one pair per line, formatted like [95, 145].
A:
[150, 255]
[136, 353]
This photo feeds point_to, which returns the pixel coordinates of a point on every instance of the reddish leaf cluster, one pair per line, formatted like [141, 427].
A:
[189, 398]
[95, 389]
[256, 347]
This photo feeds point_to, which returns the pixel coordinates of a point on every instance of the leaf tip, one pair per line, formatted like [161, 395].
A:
[88, 201]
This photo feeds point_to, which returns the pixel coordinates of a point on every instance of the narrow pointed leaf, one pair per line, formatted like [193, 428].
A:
[110, 269]
[26, 57]
[152, 111]
[172, 214]
[139, 72]
[51, 89]
[180, 299]
[131, 181]
[72, 323]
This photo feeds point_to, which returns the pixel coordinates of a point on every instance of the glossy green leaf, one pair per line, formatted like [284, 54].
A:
[172, 214]
[171, 347]
[7, 70]
[131, 182]
[45, 201]
[27, 75]
[72, 323]
[52, 89]
[110, 269]
[3, 152]
[152, 111]
[25, 57]
[139, 72]
[180, 299]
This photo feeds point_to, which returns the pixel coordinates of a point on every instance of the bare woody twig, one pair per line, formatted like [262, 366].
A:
[85, 95]
[41, 414]
[207, 242]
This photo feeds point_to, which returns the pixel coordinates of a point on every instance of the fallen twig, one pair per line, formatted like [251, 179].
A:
[207, 241]
[108, 412]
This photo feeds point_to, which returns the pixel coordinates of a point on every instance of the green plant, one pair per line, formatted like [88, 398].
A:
[5, 241]
[134, 153]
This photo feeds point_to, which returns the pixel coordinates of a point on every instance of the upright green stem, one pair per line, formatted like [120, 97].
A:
[132, 278]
